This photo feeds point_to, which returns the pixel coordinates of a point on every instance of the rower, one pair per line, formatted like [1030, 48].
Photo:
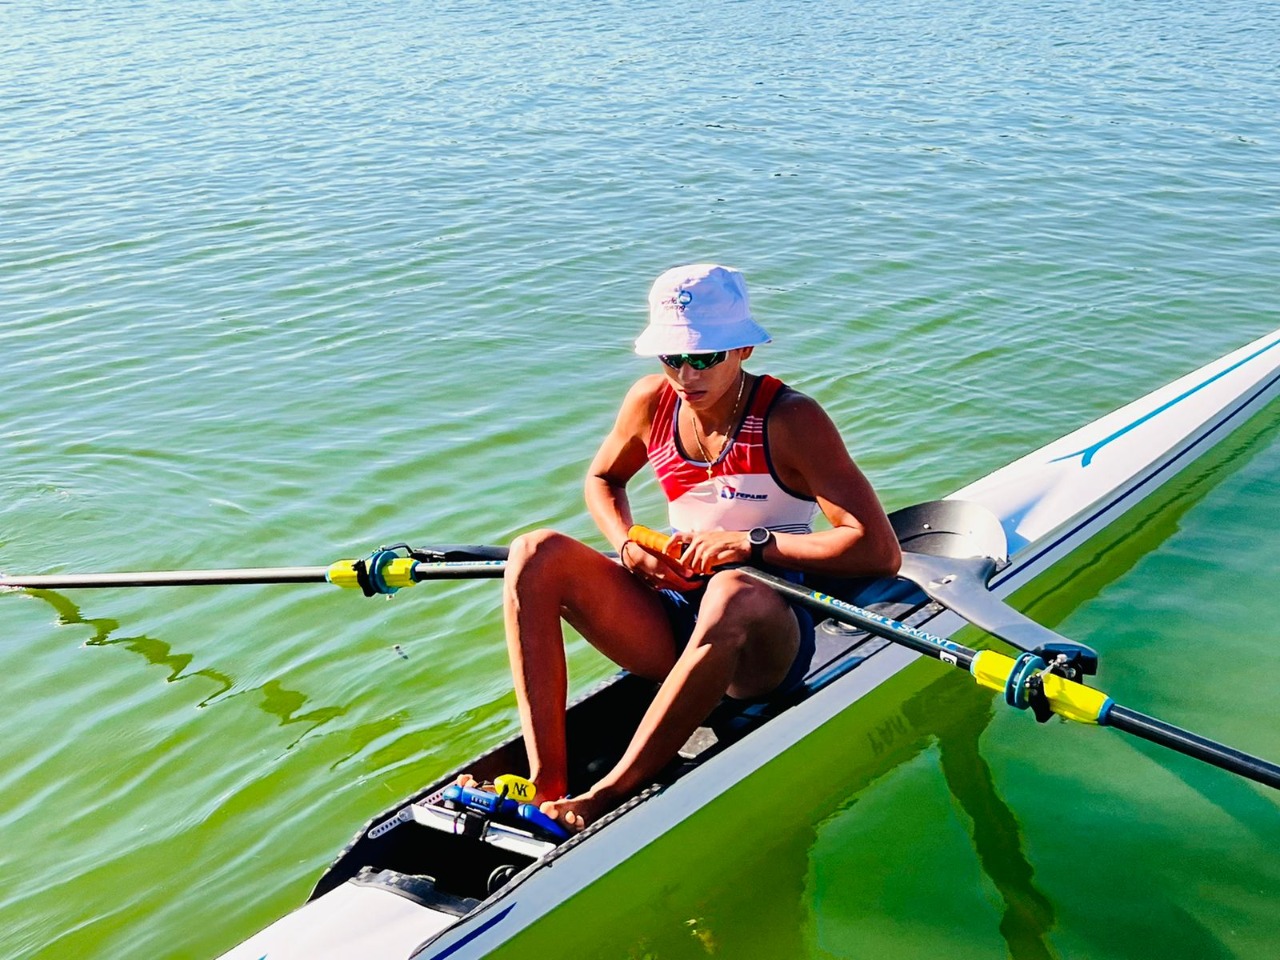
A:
[745, 463]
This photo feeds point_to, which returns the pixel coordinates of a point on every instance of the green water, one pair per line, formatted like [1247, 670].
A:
[283, 283]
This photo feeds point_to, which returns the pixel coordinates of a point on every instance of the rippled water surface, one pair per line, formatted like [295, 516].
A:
[280, 283]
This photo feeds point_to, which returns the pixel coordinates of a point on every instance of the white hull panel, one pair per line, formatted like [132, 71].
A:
[349, 923]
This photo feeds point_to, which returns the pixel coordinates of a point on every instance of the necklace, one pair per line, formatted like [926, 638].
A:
[697, 434]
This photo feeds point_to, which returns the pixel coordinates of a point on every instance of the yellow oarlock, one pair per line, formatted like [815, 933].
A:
[342, 573]
[396, 573]
[1068, 699]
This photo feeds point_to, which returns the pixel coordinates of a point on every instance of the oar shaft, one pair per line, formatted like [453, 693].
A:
[453, 570]
[927, 644]
[1192, 744]
[460, 570]
[169, 578]
[1064, 694]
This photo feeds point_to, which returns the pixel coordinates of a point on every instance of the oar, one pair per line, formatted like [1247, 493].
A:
[386, 570]
[1028, 681]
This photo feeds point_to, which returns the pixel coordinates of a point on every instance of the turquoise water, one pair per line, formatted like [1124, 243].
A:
[280, 284]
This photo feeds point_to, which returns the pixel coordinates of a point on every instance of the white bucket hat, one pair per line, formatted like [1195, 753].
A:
[700, 308]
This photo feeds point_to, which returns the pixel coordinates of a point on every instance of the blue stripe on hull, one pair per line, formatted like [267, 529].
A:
[1087, 454]
[449, 951]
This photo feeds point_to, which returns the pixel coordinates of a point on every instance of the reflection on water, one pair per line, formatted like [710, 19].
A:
[276, 700]
[1028, 915]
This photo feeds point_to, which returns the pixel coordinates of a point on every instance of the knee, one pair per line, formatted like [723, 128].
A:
[537, 552]
[738, 587]
[739, 599]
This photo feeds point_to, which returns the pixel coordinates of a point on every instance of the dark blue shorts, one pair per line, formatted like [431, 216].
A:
[682, 613]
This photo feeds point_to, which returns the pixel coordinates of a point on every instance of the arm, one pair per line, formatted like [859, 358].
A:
[620, 457]
[810, 458]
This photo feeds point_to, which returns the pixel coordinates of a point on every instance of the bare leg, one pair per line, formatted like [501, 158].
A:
[744, 644]
[550, 575]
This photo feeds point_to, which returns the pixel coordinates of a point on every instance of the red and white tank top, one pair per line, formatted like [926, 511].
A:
[743, 491]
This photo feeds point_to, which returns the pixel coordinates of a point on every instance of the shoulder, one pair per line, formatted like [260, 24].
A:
[794, 413]
[802, 437]
[644, 394]
[647, 389]
[641, 403]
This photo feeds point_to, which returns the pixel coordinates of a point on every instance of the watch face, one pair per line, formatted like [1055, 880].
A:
[759, 536]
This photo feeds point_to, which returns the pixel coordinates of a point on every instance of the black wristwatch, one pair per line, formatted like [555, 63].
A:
[760, 537]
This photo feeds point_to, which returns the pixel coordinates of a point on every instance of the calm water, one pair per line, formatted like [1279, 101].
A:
[282, 283]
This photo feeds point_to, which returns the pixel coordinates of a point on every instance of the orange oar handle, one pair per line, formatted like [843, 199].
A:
[655, 542]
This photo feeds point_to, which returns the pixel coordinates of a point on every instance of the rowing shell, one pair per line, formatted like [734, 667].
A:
[429, 880]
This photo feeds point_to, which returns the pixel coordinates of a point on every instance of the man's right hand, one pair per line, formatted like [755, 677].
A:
[658, 571]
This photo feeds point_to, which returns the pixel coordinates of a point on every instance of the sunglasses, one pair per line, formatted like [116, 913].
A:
[699, 361]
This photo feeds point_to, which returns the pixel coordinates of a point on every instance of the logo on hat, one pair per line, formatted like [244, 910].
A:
[679, 300]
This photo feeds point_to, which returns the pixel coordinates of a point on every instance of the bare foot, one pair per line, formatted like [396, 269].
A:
[575, 813]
